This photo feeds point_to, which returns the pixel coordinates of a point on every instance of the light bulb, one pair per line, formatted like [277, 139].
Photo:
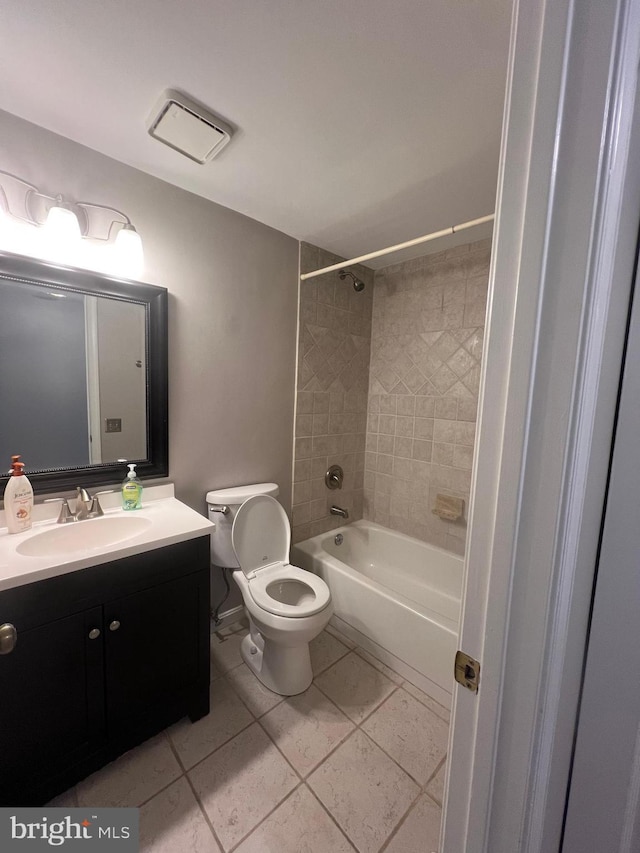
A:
[62, 224]
[128, 251]
[5, 230]
[17, 237]
[61, 234]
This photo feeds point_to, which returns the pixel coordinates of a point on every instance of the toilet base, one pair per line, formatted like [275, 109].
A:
[285, 670]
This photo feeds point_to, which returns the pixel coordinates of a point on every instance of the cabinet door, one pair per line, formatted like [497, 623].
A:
[153, 647]
[51, 700]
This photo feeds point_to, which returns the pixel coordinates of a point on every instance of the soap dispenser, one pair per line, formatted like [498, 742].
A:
[131, 489]
[18, 498]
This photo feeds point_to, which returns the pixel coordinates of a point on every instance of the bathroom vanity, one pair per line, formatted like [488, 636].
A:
[110, 647]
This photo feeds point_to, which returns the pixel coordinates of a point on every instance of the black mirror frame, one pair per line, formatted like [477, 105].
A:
[155, 301]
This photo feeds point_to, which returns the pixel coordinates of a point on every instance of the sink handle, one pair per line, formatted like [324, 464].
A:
[95, 510]
[65, 512]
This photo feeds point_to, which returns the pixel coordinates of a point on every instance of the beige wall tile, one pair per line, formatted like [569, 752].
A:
[427, 337]
[407, 351]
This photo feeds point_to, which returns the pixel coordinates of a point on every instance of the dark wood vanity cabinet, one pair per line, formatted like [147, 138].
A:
[105, 657]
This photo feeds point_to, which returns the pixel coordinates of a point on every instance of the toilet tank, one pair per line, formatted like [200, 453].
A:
[222, 553]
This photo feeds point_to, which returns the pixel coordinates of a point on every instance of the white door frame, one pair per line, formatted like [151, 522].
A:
[603, 811]
[564, 240]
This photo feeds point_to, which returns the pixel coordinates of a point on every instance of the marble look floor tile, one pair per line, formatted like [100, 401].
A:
[410, 733]
[306, 728]
[67, 800]
[420, 831]
[241, 783]
[228, 716]
[299, 825]
[438, 709]
[214, 672]
[355, 686]
[364, 790]
[381, 667]
[258, 698]
[435, 788]
[325, 650]
[225, 649]
[172, 822]
[133, 778]
[236, 627]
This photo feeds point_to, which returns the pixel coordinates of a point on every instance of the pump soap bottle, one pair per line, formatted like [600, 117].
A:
[18, 498]
[131, 489]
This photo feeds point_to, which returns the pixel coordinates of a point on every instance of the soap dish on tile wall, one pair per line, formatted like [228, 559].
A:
[448, 508]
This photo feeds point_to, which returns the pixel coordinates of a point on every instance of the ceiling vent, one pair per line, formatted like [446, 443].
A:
[188, 128]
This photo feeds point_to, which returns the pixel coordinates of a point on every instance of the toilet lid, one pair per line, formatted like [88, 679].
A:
[261, 534]
[286, 590]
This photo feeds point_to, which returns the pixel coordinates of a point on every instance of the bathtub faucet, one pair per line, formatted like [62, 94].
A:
[337, 510]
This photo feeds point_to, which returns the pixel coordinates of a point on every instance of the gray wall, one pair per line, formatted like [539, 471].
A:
[232, 311]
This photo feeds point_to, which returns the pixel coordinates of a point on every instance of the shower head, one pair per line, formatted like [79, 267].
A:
[358, 284]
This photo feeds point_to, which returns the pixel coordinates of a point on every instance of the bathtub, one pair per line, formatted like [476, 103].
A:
[395, 596]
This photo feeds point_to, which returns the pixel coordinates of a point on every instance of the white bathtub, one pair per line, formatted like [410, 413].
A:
[394, 595]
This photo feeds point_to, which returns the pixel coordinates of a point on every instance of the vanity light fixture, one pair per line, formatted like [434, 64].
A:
[63, 227]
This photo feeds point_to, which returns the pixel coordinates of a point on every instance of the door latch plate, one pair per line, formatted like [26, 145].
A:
[467, 671]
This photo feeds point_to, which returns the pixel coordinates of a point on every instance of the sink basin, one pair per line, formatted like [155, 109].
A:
[83, 536]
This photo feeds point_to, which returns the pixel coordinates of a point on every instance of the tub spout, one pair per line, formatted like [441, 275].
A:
[337, 510]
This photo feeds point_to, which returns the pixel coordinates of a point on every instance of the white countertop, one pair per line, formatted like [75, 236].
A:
[171, 521]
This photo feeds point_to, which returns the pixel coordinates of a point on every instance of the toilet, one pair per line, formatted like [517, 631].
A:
[287, 606]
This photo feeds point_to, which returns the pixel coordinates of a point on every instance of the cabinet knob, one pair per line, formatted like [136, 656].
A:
[8, 638]
[94, 633]
[113, 626]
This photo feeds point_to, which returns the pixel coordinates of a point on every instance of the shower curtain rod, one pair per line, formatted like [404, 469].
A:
[453, 229]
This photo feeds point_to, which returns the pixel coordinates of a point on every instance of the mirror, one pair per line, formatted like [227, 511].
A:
[83, 375]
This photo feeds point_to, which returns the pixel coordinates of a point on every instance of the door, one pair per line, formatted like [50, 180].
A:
[153, 648]
[122, 379]
[564, 242]
[603, 811]
[52, 702]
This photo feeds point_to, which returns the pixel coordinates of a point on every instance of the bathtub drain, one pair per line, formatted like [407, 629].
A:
[339, 539]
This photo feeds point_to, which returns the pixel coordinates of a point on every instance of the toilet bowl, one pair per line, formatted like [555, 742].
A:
[287, 606]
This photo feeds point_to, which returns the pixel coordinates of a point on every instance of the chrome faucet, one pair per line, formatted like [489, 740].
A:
[337, 510]
[86, 506]
[84, 502]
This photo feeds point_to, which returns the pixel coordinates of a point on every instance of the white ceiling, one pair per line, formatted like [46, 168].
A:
[359, 123]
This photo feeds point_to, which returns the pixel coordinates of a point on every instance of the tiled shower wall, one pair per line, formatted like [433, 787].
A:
[407, 350]
[426, 345]
[333, 381]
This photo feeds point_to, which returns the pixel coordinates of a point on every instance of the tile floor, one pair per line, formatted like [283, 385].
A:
[354, 763]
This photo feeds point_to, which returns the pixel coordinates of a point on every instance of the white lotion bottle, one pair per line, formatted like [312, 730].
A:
[18, 498]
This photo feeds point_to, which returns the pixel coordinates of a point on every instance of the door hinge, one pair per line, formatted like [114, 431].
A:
[467, 671]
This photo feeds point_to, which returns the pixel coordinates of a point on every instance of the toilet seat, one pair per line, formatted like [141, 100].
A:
[289, 582]
[261, 537]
